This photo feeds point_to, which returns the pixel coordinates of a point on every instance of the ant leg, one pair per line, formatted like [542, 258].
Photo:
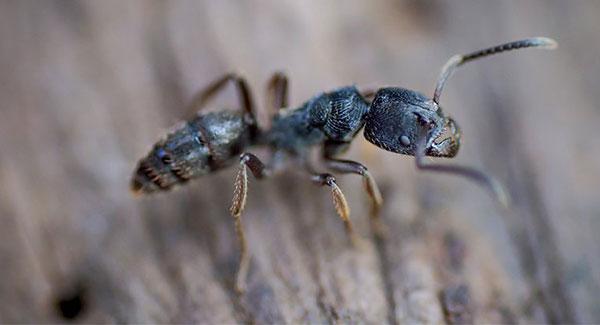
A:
[203, 96]
[339, 199]
[277, 92]
[478, 176]
[259, 170]
[353, 167]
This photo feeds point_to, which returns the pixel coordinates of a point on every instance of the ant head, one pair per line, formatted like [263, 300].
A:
[407, 122]
[396, 117]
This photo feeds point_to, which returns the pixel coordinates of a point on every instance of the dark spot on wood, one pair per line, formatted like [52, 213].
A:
[71, 303]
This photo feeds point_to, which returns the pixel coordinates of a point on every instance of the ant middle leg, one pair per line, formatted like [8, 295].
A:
[339, 199]
[240, 193]
[332, 149]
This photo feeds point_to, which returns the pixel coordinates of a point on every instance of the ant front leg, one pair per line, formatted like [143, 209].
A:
[332, 149]
[240, 193]
[478, 176]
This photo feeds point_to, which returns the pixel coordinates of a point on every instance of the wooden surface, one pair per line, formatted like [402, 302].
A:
[86, 87]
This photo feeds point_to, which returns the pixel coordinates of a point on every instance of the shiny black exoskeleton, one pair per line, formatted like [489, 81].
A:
[395, 119]
[336, 116]
[198, 147]
[201, 145]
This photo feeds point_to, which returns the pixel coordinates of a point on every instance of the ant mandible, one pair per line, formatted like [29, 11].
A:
[395, 119]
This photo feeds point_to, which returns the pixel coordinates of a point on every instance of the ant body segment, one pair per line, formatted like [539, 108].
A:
[395, 119]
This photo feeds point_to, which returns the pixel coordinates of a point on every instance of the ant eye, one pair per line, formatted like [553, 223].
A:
[404, 140]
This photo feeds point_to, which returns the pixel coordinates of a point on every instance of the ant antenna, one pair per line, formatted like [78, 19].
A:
[458, 60]
[478, 176]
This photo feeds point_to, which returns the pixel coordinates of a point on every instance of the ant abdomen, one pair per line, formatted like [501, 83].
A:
[196, 147]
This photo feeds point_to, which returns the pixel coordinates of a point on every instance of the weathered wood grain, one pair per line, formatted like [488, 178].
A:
[86, 87]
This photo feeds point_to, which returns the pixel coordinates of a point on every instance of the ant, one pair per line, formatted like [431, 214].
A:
[395, 119]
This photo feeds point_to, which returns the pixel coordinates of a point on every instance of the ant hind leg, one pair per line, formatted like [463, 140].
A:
[277, 92]
[202, 97]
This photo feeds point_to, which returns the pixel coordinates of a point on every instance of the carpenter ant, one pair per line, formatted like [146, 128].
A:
[395, 119]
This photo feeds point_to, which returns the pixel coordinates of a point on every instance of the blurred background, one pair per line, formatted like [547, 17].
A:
[86, 88]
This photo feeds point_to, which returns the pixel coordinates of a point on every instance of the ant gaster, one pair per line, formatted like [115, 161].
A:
[395, 119]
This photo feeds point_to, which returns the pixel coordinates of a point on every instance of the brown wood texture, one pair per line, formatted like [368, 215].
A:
[86, 87]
